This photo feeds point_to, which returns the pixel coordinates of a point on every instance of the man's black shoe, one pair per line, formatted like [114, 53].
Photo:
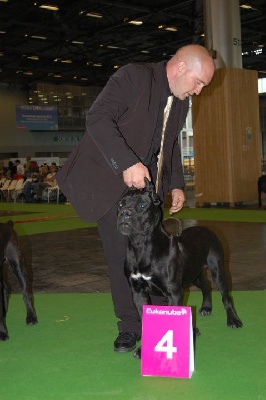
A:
[126, 341]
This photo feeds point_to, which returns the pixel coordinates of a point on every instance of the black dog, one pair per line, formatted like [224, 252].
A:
[261, 187]
[11, 253]
[159, 263]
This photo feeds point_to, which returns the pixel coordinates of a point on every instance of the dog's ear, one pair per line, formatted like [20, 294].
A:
[148, 184]
[151, 189]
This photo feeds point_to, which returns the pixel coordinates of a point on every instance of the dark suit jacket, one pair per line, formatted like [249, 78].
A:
[119, 131]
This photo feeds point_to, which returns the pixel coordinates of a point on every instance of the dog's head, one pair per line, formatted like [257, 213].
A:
[139, 211]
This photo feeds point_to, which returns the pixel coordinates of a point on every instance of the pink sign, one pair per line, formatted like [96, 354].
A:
[167, 342]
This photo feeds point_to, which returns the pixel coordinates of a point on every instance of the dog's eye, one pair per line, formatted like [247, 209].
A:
[142, 205]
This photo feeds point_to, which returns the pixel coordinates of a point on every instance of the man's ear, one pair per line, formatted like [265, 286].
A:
[181, 68]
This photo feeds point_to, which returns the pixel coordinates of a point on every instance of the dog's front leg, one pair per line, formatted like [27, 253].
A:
[139, 293]
[176, 295]
[140, 298]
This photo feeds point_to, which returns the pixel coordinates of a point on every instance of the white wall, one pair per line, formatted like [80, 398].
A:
[23, 141]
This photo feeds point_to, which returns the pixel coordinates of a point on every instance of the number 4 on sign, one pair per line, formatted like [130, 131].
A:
[166, 345]
[167, 341]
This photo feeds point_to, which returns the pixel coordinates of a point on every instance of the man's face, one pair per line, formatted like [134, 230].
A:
[191, 80]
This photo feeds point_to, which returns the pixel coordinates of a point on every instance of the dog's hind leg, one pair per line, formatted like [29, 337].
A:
[18, 267]
[203, 284]
[3, 309]
[217, 270]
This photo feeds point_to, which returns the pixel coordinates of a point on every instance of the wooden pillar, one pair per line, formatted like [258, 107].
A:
[227, 138]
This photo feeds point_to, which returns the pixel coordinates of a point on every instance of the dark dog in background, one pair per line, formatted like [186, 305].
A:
[158, 263]
[261, 187]
[11, 253]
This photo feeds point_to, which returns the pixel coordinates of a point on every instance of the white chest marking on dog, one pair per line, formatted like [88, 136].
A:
[139, 275]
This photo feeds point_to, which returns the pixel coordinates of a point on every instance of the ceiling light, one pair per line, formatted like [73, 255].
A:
[39, 37]
[36, 58]
[145, 51]
[3, 32]
[97, 65]
[135, 22]
[28, 73]
[168, 28]
[258, 51]
[171, 28]
[49, 7]
[4, 1]
[66, 61]
[94, 15]
[248, 7]
[245, 6]
[77, 42]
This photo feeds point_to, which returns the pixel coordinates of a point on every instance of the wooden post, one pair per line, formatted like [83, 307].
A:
[227, 138]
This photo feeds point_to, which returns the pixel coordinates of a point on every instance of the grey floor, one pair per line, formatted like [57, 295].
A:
[73, 261]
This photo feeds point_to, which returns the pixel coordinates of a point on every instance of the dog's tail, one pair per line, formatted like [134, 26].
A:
[173, 226]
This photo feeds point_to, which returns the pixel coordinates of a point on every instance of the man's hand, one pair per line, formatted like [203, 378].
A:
[178, 200]
[134, 176]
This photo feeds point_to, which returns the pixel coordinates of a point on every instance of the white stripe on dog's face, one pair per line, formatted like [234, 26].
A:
[139, 275]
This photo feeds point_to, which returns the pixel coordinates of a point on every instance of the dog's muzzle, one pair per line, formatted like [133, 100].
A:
[124, 221]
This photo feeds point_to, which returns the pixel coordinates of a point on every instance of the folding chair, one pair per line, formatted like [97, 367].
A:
[18, 189]
[51, 192]
[3, 189]
[2, 181]
[11, 188]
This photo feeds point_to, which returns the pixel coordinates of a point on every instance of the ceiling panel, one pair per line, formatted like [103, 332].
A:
[83, 42]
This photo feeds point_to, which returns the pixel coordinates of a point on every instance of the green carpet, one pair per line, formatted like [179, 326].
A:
[42, 218]
[216, 214]
[69, 355]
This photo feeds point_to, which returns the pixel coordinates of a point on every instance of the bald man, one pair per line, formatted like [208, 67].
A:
[120, 147]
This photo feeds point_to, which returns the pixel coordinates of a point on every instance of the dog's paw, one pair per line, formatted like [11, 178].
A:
[205, 311]
[234, 322]
[4, 336]
[31, 320]
[196, 332]
[137, 353]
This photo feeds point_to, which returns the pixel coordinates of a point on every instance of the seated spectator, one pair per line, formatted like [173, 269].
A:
[20, 171]
[54, 164]
[28, 167]
[48, 180]
[11, 171]
[28, 189]
[31, 166]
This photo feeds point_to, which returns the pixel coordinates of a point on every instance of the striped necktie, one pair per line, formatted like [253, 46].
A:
[160, 155]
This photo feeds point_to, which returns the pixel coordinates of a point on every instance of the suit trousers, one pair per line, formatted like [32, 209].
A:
[114, 246]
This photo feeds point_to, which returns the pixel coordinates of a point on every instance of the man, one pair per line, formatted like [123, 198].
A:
[49, 180]
[28, 192]
[120, 148]
[20, 172]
